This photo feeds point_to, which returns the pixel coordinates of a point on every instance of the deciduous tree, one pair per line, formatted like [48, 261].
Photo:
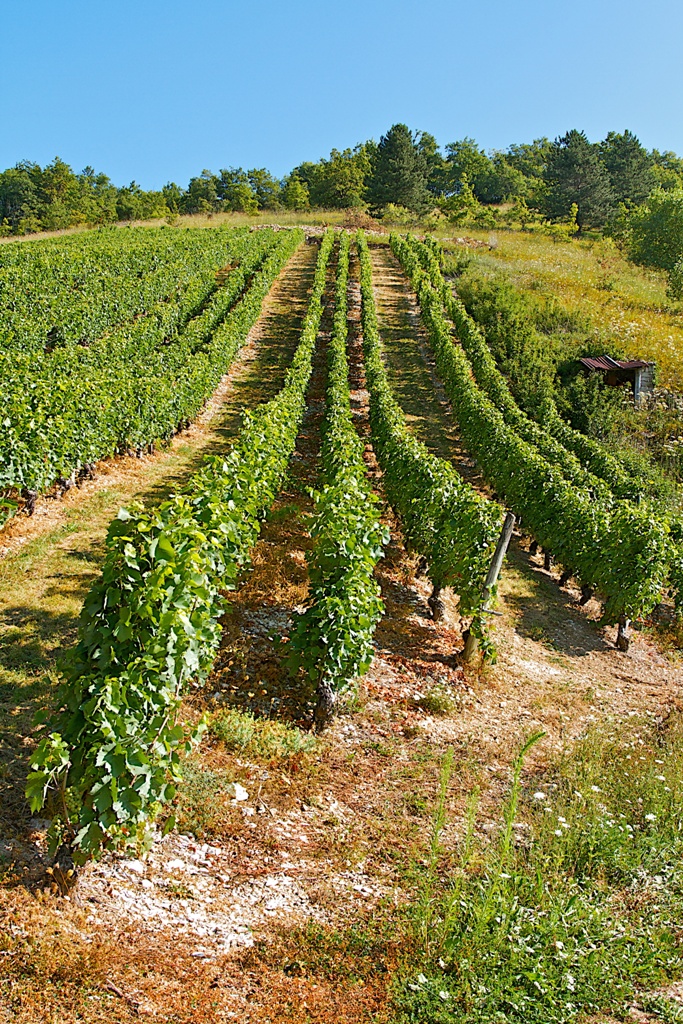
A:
[295, 193]
[234, 191]
[265, 187]
[655, 231]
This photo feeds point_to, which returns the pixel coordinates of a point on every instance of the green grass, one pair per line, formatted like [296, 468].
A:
[437, 700]
[575, 916]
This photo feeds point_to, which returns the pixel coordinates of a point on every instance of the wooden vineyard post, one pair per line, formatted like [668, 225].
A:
[623, 639]
[491, 577]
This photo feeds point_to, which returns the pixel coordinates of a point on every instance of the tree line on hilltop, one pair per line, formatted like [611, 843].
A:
[615, 184]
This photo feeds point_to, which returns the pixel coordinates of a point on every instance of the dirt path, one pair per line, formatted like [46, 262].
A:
[54, 556]
[410, 364]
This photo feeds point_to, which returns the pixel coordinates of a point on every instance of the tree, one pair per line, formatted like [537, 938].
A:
[629, 167]
[133, 203]
[530, 159]
[493, 178]
[667, 169]
[463, 205]
[655, 231]
[97, 202]
[399, 172]
[265, 187]
[436, 164]
[574, 173]
[201, 195]
[58, 196]
[342, 181]
[295, 193]
[337, 183]
[234, 191]
[173, 196]
[18, 197]
[464, 159]
[504, 182]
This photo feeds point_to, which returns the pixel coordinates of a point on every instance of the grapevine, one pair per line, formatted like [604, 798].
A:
[332, 639]
[622, 549]
[443, 518]
[150, 629]
[135, 387]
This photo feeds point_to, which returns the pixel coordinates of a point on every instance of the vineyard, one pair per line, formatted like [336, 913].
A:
[256, 495]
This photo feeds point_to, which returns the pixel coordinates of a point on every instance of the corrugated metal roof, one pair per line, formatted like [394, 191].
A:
[607, 363]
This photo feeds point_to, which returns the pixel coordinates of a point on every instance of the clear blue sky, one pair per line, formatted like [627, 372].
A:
[157, 91]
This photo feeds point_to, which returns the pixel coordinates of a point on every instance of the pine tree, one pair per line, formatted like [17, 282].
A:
[574, 173]
[629, 166]
[399, 173]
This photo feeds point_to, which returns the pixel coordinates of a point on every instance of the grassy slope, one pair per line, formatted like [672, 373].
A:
[626, 304]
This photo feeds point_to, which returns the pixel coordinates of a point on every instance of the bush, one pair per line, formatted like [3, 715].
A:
[398, 216]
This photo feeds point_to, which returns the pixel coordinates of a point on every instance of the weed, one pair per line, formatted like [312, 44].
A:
[665, 1009]
[416, 804]
[378, 747]
[573, 922]
[353, 701]
[203, 802]
[180, 891]
[438, 700]
[262, 738]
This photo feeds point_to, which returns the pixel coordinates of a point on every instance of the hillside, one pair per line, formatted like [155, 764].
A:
[496, 839]
[618, 303]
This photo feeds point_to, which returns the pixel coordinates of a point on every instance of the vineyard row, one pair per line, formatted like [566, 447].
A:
[150, 625]
[137, 386]
[624, 550]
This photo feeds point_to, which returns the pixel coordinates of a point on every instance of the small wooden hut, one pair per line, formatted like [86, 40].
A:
[617, 372]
